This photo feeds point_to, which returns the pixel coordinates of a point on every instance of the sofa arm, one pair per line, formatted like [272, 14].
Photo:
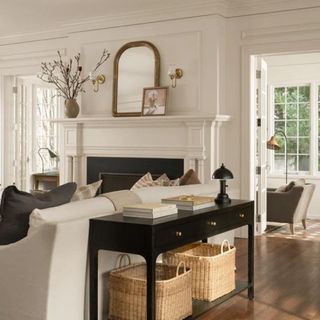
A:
[281, 206]
[24, 276]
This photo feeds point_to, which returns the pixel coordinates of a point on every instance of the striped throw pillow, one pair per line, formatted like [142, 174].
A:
[86, 192]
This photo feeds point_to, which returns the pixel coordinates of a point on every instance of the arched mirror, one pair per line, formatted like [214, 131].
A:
[136, 66]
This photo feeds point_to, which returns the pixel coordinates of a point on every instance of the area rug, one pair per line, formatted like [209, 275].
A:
[311, 234]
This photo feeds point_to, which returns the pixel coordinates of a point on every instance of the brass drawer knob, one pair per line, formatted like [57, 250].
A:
[212, 223]
[178, 233]
[241, 215]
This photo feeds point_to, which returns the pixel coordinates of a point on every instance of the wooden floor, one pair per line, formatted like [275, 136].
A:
[287, 282]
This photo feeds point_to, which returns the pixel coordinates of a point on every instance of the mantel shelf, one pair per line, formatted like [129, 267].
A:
[146, 120]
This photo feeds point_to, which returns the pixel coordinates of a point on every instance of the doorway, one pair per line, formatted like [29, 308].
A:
[286, 100]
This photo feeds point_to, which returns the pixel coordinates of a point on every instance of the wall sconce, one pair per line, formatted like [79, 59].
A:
[174, 74]
[99, 79]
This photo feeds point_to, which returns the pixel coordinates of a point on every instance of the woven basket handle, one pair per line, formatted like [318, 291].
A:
[120, 259]
[178, 267]
[224, 243]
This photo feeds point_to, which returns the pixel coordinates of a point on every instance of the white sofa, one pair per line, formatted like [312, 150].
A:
[43, 276]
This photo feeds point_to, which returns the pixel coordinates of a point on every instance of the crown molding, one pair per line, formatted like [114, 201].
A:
[178, 11]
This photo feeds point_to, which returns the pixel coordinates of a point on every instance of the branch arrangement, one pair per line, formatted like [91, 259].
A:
[67, 76]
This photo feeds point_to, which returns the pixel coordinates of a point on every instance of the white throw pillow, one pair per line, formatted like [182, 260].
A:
[86, 192]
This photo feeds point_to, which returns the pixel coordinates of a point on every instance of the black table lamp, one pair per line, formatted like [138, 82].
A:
[222, 174]
[51, 154]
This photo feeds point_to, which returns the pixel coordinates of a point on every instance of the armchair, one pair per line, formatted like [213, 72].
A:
[290, 206]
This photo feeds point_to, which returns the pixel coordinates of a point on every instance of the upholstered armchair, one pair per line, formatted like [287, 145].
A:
[290, 206]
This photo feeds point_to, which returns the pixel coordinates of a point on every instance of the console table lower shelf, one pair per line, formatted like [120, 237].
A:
[200, 307]
[149, 238]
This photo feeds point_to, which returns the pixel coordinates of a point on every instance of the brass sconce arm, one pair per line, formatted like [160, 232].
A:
[99, 79]
[174, 74]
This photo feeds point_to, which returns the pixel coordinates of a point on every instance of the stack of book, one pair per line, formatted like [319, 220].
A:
[190, 202]
[149, 210]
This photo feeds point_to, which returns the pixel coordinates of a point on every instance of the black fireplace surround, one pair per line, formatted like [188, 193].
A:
[122, 173]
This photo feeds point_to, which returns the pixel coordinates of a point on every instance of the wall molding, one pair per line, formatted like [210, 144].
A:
[177, 11]
[284, 31]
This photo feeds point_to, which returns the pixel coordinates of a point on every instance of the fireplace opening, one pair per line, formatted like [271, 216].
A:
[122, 173]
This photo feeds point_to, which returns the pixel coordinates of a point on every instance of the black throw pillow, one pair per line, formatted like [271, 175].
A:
[16, 207]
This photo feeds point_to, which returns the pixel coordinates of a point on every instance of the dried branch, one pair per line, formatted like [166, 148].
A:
[68, 81]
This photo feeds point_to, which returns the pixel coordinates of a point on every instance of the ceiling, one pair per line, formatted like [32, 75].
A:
[20, 17]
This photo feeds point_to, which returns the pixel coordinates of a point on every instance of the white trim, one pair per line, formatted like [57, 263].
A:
[247, 136]
[178, 11]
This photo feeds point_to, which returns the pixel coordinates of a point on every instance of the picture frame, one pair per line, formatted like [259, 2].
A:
[154, 101]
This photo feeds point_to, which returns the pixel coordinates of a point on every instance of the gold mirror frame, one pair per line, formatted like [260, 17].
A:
[117, 57]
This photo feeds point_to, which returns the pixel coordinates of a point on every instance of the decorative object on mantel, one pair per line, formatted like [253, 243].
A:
[273, 144]
[68, 82]
[174, 74]
[222, 174]
[154, 101]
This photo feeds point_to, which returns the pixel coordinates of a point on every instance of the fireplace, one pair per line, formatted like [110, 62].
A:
[154, 144]
[118, 173]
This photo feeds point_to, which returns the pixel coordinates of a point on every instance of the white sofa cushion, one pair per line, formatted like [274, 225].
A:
[83, 209]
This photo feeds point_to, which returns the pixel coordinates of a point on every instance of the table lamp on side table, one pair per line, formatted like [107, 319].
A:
[222, 174]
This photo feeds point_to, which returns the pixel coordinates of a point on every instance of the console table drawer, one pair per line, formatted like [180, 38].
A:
[180, 232]
[241, 216]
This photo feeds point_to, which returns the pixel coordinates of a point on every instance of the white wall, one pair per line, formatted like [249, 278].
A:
[212, 50]
[291, 70]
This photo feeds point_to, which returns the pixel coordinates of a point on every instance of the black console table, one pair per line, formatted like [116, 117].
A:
[149, 238]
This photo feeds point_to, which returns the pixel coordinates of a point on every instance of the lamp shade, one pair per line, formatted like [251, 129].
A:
[222, 173]
[52, 154]
[273, 144]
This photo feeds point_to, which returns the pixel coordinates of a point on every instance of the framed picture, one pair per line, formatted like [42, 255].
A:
[154, 101]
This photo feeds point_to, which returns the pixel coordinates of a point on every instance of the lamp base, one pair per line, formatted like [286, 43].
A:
[222, 198]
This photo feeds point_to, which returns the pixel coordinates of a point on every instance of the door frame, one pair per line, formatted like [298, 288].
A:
[248, 134]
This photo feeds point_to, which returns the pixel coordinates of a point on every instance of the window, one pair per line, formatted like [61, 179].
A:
[45, 132]
[292, 116]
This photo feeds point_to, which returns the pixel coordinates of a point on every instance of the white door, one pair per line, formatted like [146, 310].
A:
[261, 154]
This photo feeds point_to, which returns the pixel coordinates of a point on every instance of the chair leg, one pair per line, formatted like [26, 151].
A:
[304, 224]
[292, 228]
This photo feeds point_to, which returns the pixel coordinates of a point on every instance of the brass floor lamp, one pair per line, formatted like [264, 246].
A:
[273, 144]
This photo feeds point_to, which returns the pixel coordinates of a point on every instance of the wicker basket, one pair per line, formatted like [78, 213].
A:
[128, 286]
[213, 269]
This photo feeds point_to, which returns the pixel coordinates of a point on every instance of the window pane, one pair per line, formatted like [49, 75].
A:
[292, 94]
[292, 163]
[292, 145]
[279, 163]
[304, 111]
[304, 145]
[304, 163]
[279, 111]
[279, 95]
[304, 128]
[304, 93]
[281, 144]
[292, 128]
[46, 132]
[279, 125]
[292, 111]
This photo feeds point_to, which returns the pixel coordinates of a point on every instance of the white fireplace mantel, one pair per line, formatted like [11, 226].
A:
[192, 138]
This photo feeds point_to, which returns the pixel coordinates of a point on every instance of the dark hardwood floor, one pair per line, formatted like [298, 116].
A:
[287, 282]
